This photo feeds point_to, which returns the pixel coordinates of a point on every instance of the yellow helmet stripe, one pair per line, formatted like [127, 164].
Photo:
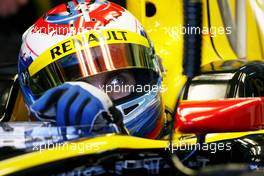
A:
[82, 41]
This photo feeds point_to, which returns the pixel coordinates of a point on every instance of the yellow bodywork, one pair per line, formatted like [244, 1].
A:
[96, 145]
[163, 29]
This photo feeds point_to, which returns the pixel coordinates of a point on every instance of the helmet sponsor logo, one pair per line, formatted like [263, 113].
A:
[92, 37]
[58, 50]
[85, 41]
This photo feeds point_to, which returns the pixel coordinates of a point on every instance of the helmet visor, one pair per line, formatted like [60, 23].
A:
[90, 62]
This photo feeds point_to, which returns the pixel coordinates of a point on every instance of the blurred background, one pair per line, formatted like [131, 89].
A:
[15, 17]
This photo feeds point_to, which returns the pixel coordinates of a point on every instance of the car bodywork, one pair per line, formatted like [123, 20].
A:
[223, 64]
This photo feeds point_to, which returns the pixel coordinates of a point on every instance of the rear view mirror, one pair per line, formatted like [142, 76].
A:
[225, 115]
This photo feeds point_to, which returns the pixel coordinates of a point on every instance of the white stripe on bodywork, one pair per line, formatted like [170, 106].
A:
[258, 9]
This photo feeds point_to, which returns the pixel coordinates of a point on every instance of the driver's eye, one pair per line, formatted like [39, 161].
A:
[119, 86]
[116, 85]
[117, 81]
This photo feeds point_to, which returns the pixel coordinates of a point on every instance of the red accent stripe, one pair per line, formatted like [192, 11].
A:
[31, 50]
[227, 115]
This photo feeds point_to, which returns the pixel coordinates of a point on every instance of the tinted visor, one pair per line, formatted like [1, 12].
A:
[88, 63]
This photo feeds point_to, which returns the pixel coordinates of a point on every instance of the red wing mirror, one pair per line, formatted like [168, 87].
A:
[227, 115]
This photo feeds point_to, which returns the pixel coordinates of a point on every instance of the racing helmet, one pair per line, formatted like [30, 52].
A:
[101, 43]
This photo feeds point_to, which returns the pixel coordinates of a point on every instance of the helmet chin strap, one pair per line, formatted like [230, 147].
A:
[117, 118]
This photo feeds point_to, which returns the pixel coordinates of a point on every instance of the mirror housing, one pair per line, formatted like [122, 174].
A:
[216, 116]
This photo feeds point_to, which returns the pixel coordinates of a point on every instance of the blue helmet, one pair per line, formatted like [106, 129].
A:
[100, 43]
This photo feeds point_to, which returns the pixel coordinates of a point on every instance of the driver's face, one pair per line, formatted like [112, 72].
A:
[114, 84]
